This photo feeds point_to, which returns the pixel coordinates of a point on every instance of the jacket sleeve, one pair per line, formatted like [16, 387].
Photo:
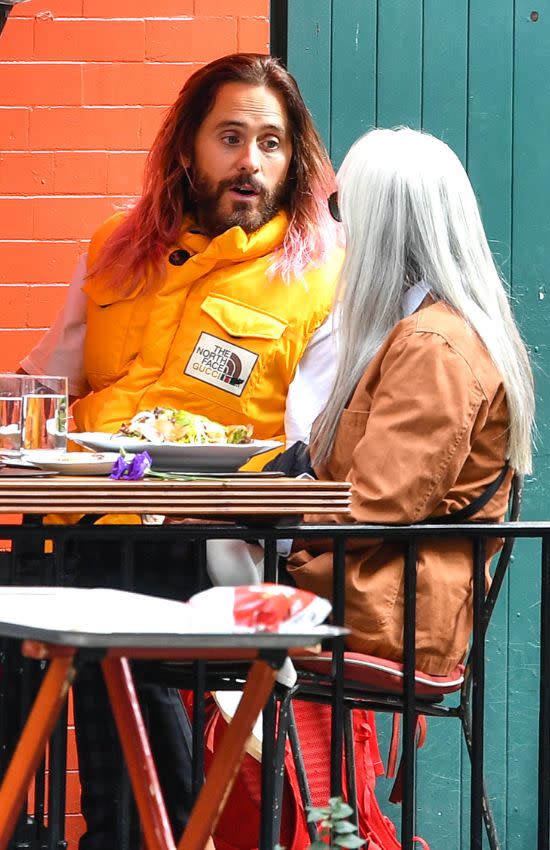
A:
[61, 349]
[418, 432]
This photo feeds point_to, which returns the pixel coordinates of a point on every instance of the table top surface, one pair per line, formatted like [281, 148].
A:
[104, 618]
[228, 496]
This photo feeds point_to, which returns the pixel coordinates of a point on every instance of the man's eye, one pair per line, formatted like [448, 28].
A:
[231, 139]
[271, 144]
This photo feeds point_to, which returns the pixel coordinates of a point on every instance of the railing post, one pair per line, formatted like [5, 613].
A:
[544, 704]
[267, 825]
[199, 680]
[409, 713]
[270, 819]
[337, 714]
[271, 560]
[127, 812]
[478, 693]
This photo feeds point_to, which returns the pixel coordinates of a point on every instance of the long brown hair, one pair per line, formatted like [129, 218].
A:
[137, 247]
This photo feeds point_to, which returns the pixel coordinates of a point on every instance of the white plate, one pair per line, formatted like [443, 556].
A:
[175, 457]
[73, 463]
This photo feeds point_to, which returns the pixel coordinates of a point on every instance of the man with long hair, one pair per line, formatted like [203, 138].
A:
[212, 294]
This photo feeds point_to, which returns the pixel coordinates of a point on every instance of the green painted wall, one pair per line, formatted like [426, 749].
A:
[476, 73]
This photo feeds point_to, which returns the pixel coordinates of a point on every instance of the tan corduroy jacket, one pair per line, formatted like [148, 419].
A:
[424, 435]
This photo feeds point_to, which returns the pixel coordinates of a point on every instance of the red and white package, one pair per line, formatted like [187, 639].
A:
[263, 607]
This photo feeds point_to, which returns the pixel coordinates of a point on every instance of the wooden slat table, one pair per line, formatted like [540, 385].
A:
[56, 623]
[231, 497]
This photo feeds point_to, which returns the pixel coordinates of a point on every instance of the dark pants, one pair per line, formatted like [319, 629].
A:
[160, 570]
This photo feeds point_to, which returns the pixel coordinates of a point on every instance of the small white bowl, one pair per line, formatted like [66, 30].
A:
[73, 463]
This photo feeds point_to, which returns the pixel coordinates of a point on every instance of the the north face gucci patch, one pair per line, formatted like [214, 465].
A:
[221, 364]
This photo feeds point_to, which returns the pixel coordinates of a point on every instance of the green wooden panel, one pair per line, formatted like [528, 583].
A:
[445, 72]
[522, 699]
[489, 153]
[531, 182]
[399, 67]
[443, 113]
[309, 57]
[489, 163]
[530, 264]
[354, 37]
[475, 73]
[438, 783]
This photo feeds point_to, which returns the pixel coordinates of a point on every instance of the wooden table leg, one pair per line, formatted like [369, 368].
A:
[137, 753]
[228, 758]
[32, 743]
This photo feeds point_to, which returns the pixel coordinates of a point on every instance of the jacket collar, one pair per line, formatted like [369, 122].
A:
[234, 244]
[231, 246]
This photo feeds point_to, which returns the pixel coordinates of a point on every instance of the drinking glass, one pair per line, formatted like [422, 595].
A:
[44, 414]
[11, 395]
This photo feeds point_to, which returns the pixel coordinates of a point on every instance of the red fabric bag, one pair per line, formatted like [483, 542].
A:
[238, 827]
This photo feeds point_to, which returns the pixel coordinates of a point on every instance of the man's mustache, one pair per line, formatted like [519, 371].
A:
[242, 179]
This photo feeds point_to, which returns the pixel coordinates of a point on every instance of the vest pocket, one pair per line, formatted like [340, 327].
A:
[239, 319]
[238, 358]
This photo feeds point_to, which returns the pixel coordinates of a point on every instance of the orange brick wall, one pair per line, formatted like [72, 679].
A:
[83, 87]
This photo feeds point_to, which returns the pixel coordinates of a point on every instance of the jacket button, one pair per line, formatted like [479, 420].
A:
[178, 258]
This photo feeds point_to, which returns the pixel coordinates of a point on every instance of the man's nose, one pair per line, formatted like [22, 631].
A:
[250, 157]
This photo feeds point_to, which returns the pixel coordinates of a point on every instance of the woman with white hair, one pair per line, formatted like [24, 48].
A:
[433, 397]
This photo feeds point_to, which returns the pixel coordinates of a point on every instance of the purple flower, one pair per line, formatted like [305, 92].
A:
[139, 466]
[131, 470]
[120, 467]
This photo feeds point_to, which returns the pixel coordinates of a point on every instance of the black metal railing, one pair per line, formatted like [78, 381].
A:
[27, 562]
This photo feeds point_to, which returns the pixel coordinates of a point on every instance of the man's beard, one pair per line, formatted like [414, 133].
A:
[206, 197]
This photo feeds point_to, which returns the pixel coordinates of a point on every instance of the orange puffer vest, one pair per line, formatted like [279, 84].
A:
[219, 335]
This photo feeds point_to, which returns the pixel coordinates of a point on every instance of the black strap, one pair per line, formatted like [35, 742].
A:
[475, 506]
[293, 462]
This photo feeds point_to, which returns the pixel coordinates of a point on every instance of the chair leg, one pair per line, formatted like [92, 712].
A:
[137, 754]
[349, 749]
[296, 749]
[488, 817]
[278, 790]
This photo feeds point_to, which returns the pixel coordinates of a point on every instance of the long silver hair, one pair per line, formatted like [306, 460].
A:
[410, 214]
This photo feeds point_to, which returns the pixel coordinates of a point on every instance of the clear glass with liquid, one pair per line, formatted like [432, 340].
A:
[11, 393]
[10, 423]
[44, 415]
